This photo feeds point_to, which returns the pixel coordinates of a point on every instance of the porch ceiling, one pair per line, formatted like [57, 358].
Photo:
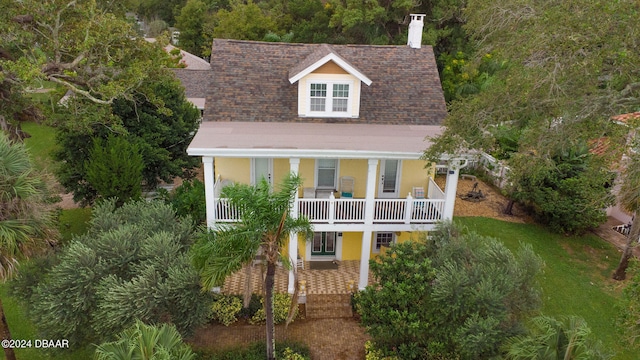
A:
[311, 140]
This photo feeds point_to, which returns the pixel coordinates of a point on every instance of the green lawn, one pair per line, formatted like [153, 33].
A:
[576, 278]
[40, 144]
[73, 222]
[23, 329]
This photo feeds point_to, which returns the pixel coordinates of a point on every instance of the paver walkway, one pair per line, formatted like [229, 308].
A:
[328, 339]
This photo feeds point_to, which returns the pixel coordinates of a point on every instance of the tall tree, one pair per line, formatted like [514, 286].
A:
[265, 224]
[191, 22]
[565, 73]
[85, 46]
[244, 21]
[161, 134]
[25, 219]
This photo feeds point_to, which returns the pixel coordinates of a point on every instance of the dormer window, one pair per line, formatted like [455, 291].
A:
[328, 85]
[330, 98]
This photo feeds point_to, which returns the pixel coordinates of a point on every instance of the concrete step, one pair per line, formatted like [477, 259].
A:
[321, 306]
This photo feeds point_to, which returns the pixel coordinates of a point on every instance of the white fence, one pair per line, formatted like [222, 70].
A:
[496, 171]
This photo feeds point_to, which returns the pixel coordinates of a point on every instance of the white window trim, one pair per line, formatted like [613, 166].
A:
[335, 177]
[329, 99]
[375, 240]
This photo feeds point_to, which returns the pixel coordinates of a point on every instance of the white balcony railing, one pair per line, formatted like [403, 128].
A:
[352, 211]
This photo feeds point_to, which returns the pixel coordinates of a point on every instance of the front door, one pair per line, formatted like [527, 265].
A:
[261, 168]
[324, 244]
[388, 186]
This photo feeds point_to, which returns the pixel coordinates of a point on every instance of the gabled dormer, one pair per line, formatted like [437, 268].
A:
[328, 85]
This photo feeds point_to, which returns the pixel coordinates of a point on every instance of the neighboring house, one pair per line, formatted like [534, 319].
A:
[194, 75]
[352, 120]
[616, 211]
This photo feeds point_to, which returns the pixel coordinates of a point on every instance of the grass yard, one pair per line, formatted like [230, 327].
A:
[40, 144]
[22, 328]
[73, 222]
[576, 278]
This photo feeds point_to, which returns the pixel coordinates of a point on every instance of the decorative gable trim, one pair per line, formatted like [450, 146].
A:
[336, 59]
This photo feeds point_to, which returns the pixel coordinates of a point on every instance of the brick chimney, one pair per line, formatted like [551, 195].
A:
[415, 30]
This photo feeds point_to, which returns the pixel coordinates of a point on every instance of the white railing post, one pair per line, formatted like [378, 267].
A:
[332, 208]
[209, 190]
[408, 209]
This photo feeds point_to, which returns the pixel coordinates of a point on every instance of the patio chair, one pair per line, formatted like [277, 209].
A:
[347, 184]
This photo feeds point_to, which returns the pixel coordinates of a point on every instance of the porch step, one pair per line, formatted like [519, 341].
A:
[327, 306]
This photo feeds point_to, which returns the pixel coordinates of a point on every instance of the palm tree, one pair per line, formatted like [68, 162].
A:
[146, 342]
[629, 198]
[551, 339]
[264, 224]
[23, 215]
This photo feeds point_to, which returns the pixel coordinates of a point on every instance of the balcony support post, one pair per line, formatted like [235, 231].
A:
[209, 190]
[450, 189]
[294, 167]
[369, 209]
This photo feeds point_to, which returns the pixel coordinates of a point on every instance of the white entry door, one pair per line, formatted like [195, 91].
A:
[389, 184]
[261, 168]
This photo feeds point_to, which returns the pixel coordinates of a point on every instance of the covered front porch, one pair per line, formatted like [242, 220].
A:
[341, 280]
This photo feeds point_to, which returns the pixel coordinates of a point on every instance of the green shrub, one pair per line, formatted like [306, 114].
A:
[114, 169]
[281, 305]
[286, 350]
[255, 304]
[225, 309]
[188, 199]
[373, 353]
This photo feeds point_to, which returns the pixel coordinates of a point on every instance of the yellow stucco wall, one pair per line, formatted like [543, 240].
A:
[281, 168]
[358, 170]
[307, 172]
[234, 169]
[413, 174]
[329, 68]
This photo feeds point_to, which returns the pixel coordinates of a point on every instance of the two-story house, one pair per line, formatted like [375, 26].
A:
[351, 120]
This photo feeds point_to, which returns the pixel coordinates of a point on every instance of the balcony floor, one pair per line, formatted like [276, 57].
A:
[318, 281]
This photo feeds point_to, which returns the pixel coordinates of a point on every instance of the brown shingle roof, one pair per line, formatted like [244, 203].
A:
[196, 82]
[624, 118]
[250, 83]
[322, 51]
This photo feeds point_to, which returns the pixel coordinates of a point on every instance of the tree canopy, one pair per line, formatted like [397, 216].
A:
[566, 69]
[160, 134]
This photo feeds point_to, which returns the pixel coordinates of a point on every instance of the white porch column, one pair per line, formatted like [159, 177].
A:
[294, 167]
[209, 190]
[369, 209]
[450, 189]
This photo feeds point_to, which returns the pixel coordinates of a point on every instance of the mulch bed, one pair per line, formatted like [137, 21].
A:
[335, 339]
